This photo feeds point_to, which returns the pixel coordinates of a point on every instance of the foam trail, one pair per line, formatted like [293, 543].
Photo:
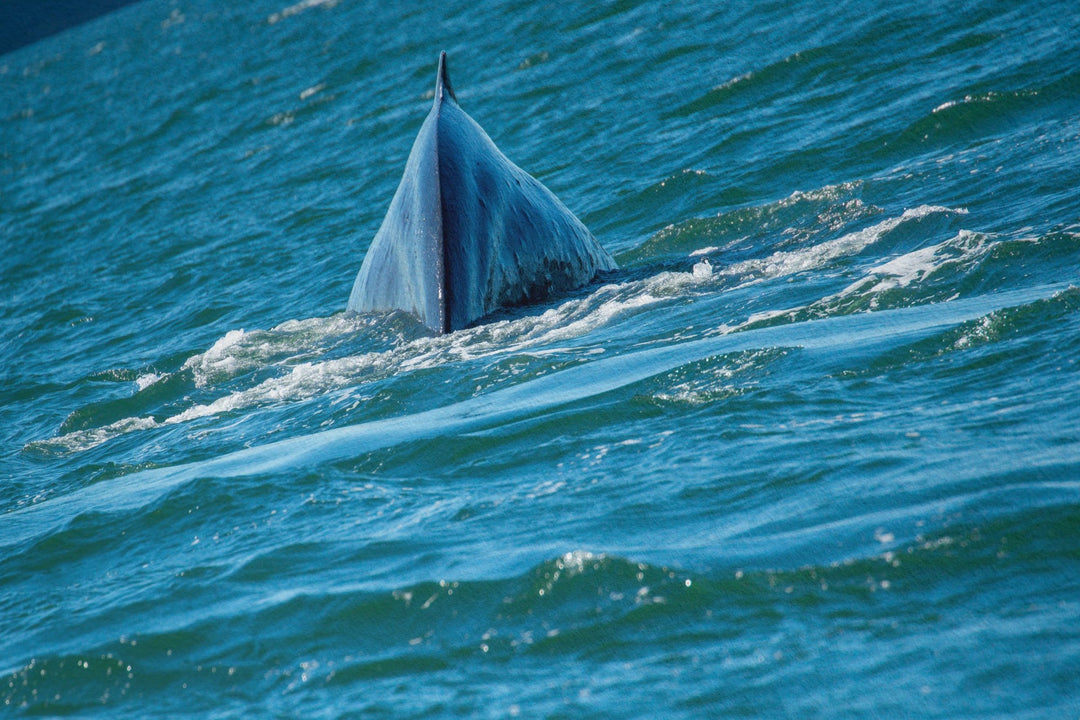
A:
[858, 331]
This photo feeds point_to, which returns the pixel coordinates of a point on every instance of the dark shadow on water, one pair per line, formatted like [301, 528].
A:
[23, 22]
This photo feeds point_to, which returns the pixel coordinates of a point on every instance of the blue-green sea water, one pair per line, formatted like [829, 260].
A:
[837, 474]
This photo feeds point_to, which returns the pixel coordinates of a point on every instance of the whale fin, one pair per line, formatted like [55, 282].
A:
[442, 83]
[468, 231]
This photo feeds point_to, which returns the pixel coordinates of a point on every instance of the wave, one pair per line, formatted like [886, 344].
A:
[789, 262]
[302, 360]
[802, 217]
[269, 632]
[930, 273]
[839, 336]
[760, 86]
[980, 115]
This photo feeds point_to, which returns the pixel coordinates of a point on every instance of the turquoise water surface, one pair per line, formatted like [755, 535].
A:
[836, 476]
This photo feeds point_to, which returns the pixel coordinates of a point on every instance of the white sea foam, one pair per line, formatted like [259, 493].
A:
[289, 346]
[303, 381]
[313, 90]
[702, 270]
[298, 8]
[239, 351]
[704, 251]
[81, 440]
[714, 383]
[791, 262]
[144, 381]
[566, 322]
[220, 358]
[902, 271]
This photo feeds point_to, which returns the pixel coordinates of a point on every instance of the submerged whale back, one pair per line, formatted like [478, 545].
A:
[469, 232]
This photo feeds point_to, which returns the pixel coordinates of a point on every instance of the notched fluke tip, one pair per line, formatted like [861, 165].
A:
[442, 82]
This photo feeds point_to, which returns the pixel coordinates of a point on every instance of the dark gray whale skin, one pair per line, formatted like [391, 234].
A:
[469, 232]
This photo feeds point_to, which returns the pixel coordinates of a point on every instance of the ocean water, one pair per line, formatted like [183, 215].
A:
[813, 451]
